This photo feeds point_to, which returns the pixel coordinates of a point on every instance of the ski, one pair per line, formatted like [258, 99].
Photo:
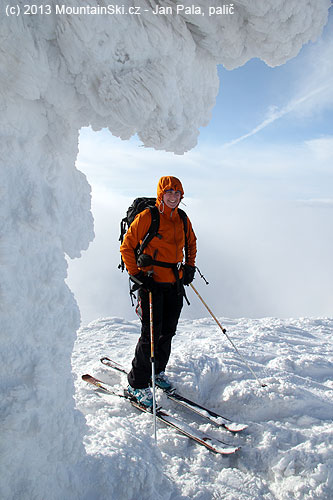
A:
[163, 416]
[210, 415]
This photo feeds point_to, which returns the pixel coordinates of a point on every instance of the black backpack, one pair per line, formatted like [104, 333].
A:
[138, 205]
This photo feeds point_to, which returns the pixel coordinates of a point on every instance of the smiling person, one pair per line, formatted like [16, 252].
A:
[165, 266]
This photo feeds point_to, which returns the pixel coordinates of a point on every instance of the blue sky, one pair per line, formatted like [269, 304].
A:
[250, 91]
[258, 189]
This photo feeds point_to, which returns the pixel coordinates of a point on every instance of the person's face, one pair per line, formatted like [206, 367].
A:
[172, 198]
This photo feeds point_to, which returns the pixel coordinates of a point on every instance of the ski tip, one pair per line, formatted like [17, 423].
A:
[170, 392]
[222, 450]
[230, 451]
[86, 376]
[234, 427]
[230, 425]
[106, 360]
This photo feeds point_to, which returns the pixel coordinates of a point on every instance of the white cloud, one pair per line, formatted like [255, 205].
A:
[209, 172]
[317, 202]
[322, 149]
[125, 166]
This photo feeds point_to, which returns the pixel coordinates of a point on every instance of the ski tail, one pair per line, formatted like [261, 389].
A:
[113, 364]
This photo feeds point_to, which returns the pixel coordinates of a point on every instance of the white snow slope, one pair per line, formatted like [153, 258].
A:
[153, 75]
[287, 451]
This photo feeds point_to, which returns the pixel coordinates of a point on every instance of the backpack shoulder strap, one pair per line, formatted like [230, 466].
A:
[183, 217]
[152, 231]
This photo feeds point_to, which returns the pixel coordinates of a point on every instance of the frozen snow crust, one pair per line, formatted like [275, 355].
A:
[151, 75]
[286, 452]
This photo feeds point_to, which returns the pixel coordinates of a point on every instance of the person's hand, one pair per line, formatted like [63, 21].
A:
[142, 280]
[188, 274]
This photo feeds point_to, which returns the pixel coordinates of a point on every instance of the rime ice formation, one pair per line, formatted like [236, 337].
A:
[153, 75]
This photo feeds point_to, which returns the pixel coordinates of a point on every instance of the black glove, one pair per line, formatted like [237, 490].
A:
[188, 274]
[142, 280]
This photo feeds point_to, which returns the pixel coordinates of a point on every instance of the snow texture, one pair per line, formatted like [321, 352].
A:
[153, 75]
[286, 453]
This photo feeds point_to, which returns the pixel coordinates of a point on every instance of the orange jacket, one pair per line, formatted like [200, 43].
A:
[168, 248]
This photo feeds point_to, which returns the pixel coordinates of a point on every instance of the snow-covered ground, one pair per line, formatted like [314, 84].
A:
[287, 451]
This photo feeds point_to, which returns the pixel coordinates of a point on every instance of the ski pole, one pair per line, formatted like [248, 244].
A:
[152, 358]
[225, 333]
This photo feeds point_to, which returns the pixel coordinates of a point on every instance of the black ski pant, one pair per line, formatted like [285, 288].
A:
[167, 306]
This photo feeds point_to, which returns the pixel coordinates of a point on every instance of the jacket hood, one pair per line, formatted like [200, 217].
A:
[168, 182]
